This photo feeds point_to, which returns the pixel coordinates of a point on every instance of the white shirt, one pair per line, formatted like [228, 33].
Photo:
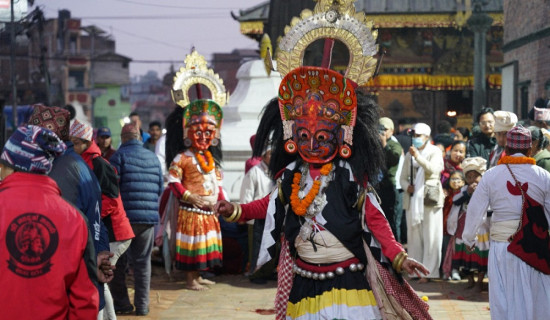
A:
[256, 183]
[492, 191]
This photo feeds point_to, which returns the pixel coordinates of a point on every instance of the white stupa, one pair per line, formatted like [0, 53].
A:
[241, 117]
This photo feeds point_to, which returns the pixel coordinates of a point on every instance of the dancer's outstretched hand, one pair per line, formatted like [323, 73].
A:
[224, 208]
[412, 266]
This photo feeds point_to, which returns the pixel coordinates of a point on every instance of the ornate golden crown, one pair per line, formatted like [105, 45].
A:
[196, 72]
[335, 19]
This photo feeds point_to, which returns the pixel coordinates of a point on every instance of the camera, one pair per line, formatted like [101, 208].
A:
[410, 132]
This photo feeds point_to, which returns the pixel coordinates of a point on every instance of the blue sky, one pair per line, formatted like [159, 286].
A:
[142, 35]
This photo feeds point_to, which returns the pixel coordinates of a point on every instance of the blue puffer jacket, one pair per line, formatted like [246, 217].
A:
[140, 181]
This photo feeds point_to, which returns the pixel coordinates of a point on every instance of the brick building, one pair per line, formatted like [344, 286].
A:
[59, 61]
[526, 51]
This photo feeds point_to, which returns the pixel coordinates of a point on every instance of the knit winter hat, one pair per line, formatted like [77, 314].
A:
[32, 149]
[518, 138]
[52, 118]
[474, 164]
[504, 120]
[81, 130]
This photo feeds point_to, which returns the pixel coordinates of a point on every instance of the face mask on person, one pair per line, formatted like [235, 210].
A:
[418, 142]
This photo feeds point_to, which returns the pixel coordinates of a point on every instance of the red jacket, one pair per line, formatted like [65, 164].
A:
[48, 262]
[112, 210]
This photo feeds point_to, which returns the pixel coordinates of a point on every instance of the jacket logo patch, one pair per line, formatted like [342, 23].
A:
[32, 239]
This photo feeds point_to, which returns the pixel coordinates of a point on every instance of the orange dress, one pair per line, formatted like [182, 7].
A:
[198, 236]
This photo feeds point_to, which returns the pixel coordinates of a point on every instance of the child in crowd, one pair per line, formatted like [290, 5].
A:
[452, 187]
[453, 159]
[464, 259]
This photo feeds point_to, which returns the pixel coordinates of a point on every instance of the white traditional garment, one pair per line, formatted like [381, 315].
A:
[416, 206]
[425, 232]
[516, 290]
[256, 183]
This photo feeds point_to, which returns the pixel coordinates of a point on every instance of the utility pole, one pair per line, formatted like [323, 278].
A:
[479, 23]
[92, 31]
[39, 17]
[12, 68]
[92, 77]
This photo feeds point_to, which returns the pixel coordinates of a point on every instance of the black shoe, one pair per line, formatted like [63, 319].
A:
[142, 312]
[124, 310]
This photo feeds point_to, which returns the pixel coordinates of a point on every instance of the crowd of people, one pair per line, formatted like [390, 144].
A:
[76, 208]
[342, 209]
[428, 190]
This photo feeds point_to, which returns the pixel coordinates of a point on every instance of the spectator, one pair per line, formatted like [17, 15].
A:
[444, 135]
[140, 188]
[452, 187]
[155, 130]
[462, 133]
[483, 142]
[540, 103]
[422, 173]
[49, 260]
[77, 183]
[504, 121]
[386, 187]
[403, 136]
[135, 119]
[257, 184]
[517, 290]
[469, 262]
[453, 159]
[112, 211]
[539, 149]
[252, 161]
[104, 141]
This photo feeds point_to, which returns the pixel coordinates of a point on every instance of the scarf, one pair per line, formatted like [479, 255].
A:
[416, 206]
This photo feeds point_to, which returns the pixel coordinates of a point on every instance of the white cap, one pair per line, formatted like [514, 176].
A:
[422, 128]
[504, 120]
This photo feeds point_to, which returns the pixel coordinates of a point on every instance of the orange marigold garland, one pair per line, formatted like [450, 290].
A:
[206, 167]
[299, 206]
[517, 160]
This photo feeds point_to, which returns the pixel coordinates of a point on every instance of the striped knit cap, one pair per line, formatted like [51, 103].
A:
[32, 149]
[81, 130]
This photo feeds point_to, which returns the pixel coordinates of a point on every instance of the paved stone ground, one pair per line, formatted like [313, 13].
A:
[234, 297]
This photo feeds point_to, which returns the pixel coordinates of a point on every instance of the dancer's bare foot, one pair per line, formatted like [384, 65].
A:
[201, 280]
[196, 286]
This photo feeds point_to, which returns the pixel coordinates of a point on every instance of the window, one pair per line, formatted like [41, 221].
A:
[76, 79]
[524, 98]
[72, 45]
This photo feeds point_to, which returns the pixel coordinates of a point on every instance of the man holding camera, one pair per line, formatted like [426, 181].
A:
[423, 200]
